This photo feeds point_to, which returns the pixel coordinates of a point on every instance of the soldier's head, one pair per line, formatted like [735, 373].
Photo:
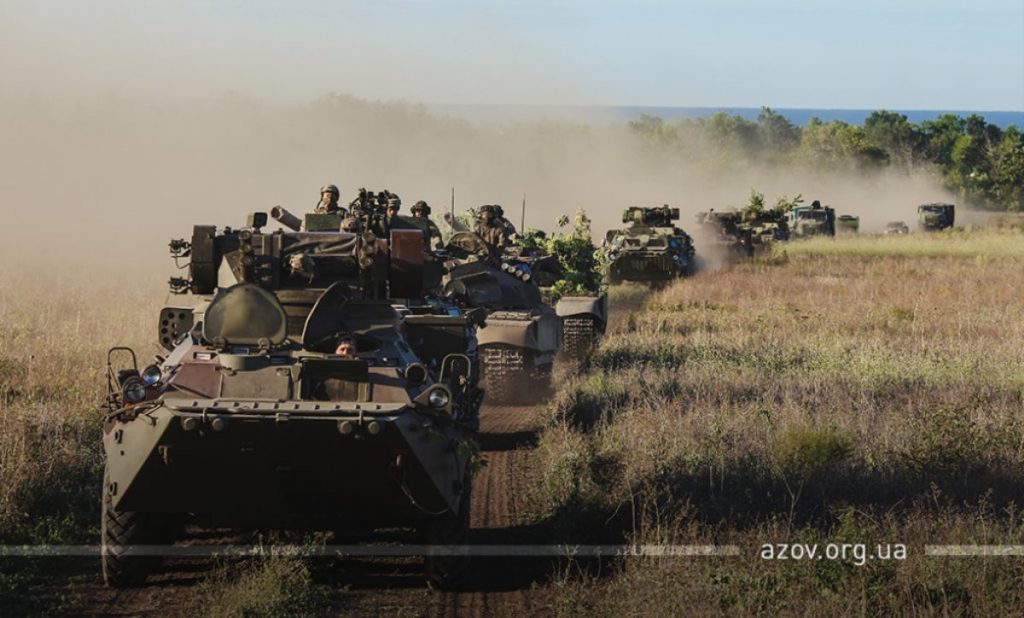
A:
[499, 211]
[421, 209]
[346, 347]
[329, 194]
[350, 224]
[486, 213]
[394, 204]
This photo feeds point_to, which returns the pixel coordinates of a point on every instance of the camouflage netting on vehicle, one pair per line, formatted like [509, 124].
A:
[582, 263]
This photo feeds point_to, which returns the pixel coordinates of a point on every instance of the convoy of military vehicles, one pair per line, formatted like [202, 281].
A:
[330, 375]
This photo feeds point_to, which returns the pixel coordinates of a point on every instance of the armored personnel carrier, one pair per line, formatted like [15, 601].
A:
[934, 217]
[650, 248]
[521, 334]
[307, 386]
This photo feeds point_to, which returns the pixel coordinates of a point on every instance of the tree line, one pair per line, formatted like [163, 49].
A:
[980, 162]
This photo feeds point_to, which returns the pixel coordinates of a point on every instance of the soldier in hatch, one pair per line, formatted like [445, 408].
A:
[329, 202]
[491, 230]
[510, 230]
[421, 210]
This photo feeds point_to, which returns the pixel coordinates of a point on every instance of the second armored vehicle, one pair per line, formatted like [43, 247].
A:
[521, 335]
[650, 249]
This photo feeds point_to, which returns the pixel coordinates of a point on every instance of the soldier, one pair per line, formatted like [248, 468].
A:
[421, 210]
[491, 230]
[391, 204]
[510, 230]
[346, 347]
[329, 202]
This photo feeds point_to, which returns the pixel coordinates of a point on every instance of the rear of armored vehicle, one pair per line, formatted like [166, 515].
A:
[259, 417]
[521, 334]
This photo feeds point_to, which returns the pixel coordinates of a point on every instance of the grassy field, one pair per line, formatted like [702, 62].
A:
[55, 329]
[857, 391]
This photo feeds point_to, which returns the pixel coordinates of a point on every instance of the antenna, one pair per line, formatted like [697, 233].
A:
[522, 217]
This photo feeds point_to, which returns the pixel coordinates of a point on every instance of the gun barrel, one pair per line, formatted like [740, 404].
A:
[282, 215]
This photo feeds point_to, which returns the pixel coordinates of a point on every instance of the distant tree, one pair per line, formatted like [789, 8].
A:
[896, 135]
[777, 134]
[1008, 170]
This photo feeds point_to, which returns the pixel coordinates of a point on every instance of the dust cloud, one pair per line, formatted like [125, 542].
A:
[115, 179]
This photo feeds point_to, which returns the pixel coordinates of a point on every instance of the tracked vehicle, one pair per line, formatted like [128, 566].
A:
[521, 333]
[650, 249]
[259, 417]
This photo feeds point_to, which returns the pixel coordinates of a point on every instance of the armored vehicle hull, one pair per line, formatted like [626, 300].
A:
[295, 396]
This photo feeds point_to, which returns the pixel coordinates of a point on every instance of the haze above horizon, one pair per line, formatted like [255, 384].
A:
[910, 54]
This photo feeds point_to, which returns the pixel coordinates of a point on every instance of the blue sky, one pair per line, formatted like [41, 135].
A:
[782, 53]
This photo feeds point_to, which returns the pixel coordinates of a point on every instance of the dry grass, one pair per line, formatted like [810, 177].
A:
[55, 329]
[1006, 241]
[791, 400]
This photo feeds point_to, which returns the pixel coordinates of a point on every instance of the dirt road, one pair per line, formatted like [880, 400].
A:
[368, 586]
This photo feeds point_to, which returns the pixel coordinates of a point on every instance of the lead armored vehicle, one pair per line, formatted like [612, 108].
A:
[521, 334]
[306, 386]
[650, 249]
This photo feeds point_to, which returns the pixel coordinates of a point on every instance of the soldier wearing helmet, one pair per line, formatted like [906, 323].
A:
[421, 211]
[490, 228]
[499, 215]
[329, 202]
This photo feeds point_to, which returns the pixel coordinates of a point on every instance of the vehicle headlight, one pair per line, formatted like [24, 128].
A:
[151, 375]
[134, 390]
[439, 398]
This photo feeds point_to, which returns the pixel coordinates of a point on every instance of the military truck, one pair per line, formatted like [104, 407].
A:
[813, 220]
[847, 224]
[650, 249]
[521, 334]
[935, 216]
[308, 385]
[893, 228]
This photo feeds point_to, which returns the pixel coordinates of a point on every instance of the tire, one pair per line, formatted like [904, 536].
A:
[451, 571]
[121, 532]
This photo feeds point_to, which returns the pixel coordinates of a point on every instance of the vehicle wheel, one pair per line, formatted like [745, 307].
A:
[121, 534]
[449, 571]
